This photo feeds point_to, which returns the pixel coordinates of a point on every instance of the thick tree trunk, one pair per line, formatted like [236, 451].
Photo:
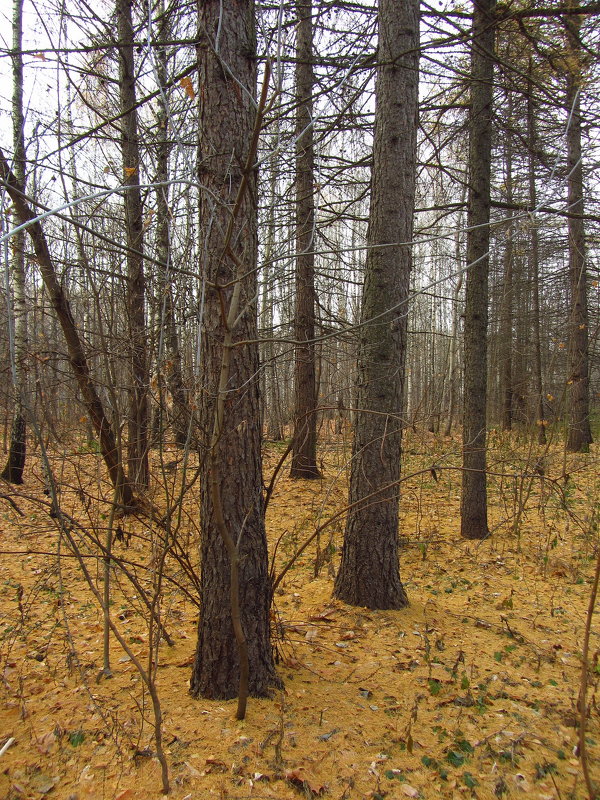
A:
[137, 419]
[578, 393]
[235, 586]
[474, 493]
[13, 470]
[304, 453]
[369, 575]
[77, 357]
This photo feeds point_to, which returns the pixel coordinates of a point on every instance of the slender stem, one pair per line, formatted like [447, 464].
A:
[584, 682]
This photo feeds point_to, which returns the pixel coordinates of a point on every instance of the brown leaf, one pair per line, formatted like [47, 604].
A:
[215, 765]
[44, 745]
[195, 773]
[43, 783]
[297, 778]
[188, 87]
[324, 616]
[124, 795]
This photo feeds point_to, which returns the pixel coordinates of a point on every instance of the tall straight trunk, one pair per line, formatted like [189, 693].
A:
[473, 508]
[507, 394]
[454, 345]
[169, 352]
[533, 255]
[579, 435]
[137, 418]
[369, 573]
[271, 413]
[75, 350]
[13, 470]
[304, 452]
[234, 629]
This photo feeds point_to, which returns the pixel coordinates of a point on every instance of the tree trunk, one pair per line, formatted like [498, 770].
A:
[304, 452]
[369, 575]
[235, 587]
[169, 355]
[137, 420]
[77, 357]
[578, 393]
[13, 470]
[534, 263]
[507, 393]
[474, 493]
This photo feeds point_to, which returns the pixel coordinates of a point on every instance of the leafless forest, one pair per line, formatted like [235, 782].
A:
[294, 292]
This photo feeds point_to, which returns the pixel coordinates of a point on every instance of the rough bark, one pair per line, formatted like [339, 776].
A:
[75, 350]
[13, 470]
[474, 491]
[231, 483]
[579, 435]
[304, 452]
[137, 419]
[369, 573]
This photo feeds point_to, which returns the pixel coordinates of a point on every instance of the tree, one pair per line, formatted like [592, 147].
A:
[534, 261]
[137, 419]
[507, 389]
[304, 453]
[169, 354]
[234, 646]
[579, 435]
[369, 575]
[76, 353]
[13, 471]
[473, 508]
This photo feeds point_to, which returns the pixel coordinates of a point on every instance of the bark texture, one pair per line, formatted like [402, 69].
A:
[369, 573]
[13, 470]
[473, 508]
[579, 435]
[304, 453]
[137, 419]
[232, 499]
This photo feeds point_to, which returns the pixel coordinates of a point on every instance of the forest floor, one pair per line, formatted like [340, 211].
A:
[472, 691]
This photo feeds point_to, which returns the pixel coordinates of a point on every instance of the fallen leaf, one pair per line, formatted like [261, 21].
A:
[324, 616]
[409, 790]
[124, 795]
[44, 745]
[43, 783]
[195, 773]
[215, 765]
[298, 779]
